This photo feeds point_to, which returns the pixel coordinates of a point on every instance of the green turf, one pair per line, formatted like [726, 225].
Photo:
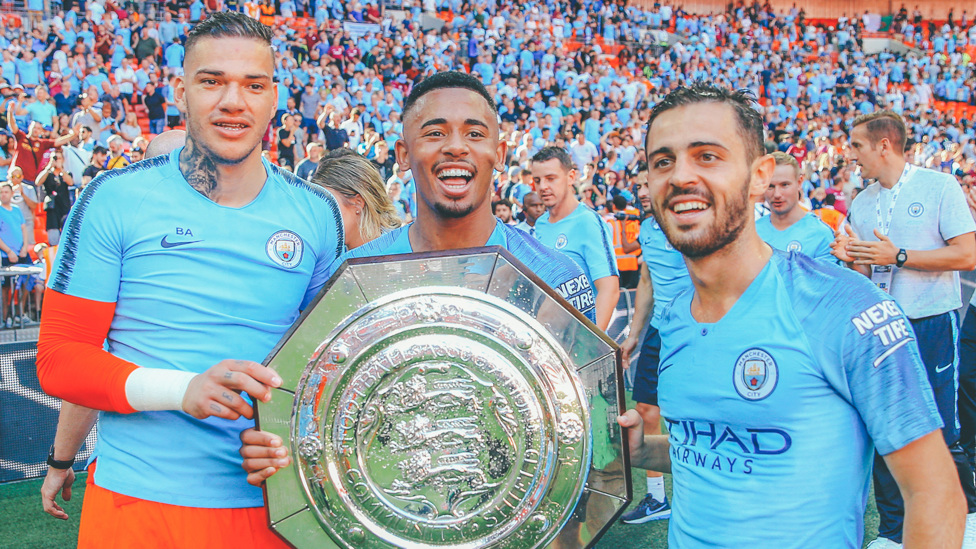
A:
[24, 525]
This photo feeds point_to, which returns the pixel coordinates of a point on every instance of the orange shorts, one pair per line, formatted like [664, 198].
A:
[113, 521]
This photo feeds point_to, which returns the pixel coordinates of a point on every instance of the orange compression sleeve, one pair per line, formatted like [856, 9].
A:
[71, 363]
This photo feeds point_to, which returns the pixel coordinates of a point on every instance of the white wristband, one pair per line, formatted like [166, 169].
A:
[155, 389]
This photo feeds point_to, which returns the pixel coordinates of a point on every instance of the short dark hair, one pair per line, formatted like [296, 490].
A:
[99, 150]
[548, 153]
[619, 202]
[883, 125]
[445, 80]
[502, 202]
[228, 24]
[742, 101]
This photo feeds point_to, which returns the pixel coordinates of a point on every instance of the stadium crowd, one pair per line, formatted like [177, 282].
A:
[98, 78]
[86, 89]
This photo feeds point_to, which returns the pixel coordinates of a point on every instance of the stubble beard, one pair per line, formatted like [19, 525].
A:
[726, 228]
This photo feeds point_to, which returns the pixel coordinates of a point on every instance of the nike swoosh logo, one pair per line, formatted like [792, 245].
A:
[662, 368]
[939, 370]
[166, 244]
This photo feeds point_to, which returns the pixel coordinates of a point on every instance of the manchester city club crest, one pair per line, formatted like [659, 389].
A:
[794, 246]
[755, 374]
[561, 242]
[915, 209]
[285, 248]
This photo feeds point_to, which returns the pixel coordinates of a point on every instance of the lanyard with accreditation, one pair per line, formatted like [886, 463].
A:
[881, 275]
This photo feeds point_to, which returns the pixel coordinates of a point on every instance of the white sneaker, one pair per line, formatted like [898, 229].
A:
[26, 320]
[9, 323]
[969, 538]
[883, 543]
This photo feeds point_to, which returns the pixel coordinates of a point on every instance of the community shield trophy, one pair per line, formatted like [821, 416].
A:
[445, 400]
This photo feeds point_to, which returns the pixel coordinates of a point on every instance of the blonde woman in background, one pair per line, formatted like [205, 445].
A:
[367, 211]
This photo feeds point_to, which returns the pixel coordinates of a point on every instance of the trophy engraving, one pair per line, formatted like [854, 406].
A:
[441, 416]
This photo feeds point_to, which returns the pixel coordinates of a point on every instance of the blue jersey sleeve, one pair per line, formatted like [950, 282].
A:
[868, 353]
[89, 259]
[825, 236]
[598, 250]
[556, 269]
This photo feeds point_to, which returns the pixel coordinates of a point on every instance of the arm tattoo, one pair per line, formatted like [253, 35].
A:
[198, 169]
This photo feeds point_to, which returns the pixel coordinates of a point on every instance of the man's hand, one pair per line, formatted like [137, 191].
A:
[627, 347]
[57, 480]
[635, 431]
[13, 256]
[216, 391]
[841, 240]
[882, 252]
[263, 455]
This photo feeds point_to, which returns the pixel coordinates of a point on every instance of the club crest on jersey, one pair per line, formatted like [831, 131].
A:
[794, 246]
[755, 374]
[561, 242]
[915, 209]
[285, 248]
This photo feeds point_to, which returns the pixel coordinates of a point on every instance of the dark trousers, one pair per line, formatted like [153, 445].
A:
[936, 337]
[967, 385]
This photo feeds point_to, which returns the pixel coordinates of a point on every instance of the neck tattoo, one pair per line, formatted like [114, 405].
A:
[199, 169]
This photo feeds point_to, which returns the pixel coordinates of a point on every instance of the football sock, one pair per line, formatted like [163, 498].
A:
[655, 487]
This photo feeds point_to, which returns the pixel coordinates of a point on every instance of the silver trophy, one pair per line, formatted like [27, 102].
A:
[445, 400]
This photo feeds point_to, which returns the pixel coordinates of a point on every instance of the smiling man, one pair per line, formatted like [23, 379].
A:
[788, 227]
[451, 144]
[167, 262]
[775, 398]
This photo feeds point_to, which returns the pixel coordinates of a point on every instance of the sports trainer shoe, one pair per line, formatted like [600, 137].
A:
[647, 510]
[883, 543]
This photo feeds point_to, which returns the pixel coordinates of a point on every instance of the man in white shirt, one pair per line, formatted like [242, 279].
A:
[583, 152]
[910, 231]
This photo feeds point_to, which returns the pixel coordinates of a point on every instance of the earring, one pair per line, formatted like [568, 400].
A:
[358, 212]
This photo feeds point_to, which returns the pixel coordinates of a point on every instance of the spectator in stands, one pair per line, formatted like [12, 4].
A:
[155, 104]
[502, 209]
[89, 115]
[32, 148]
[130, 129]
[55, 181]
[117, 158]
[308, 165]
[287, 136]
[98, 159]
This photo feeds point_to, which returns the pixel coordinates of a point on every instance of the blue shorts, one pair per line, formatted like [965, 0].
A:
[645, 376]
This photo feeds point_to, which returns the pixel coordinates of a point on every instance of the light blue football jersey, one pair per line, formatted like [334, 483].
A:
[775, 410]
[554, 268]
[585, 237]
[669, 273]
[809, 236]
[194, 283]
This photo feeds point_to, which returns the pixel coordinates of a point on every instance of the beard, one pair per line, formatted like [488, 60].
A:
[726, 227]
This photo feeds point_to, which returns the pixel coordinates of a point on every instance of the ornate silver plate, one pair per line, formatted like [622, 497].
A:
[445, 400]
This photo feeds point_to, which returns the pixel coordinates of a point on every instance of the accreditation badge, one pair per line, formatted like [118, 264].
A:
[881, 276]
